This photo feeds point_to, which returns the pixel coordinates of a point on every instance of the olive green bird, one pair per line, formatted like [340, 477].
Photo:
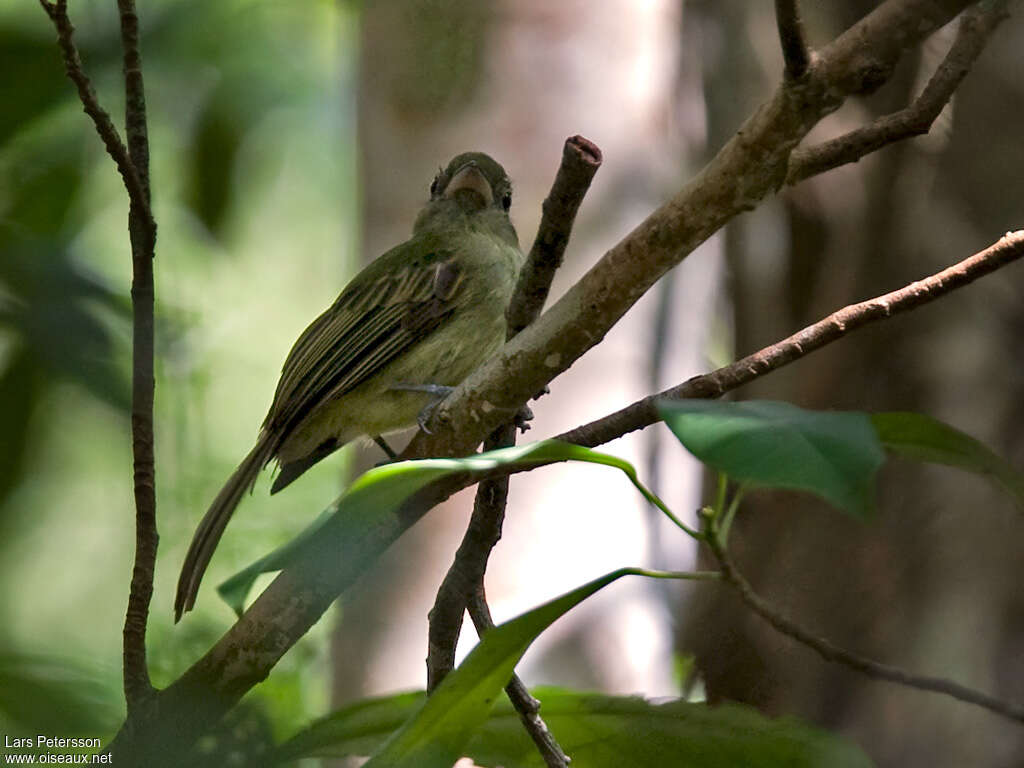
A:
[410, 326]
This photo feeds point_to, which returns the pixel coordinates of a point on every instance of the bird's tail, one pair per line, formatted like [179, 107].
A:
[205, 539]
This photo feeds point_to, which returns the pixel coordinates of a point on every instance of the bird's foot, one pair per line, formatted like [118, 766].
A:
[438, 393]
[523, 418]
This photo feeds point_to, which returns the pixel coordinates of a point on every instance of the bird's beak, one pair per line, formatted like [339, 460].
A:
[470, 177]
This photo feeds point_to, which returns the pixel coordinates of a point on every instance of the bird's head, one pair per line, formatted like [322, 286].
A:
[475, 182]
[472, 191]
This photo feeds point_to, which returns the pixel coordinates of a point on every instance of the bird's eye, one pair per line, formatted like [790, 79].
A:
[433, 186]
[506, 201]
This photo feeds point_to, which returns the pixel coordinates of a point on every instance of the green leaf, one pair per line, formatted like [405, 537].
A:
[832, 454]
[411, 730]
[360, 728]
[596, 731]
[599, 731]
[436, 735]
[922, 438]
[365, 520]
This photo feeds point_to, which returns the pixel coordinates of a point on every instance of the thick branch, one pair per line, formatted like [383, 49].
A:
[791, 38]
[275, 621]
[750, 167]
[831, 652]
[976, 26]
[644, 412]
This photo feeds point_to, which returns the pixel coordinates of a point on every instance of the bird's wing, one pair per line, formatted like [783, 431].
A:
[372, 322]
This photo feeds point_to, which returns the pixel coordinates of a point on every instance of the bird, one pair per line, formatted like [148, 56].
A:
[406, 329]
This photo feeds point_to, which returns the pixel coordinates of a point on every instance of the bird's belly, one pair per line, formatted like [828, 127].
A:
[373, 408]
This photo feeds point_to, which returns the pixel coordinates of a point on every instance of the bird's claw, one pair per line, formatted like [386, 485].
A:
[438, 393]
[425, 414]
[523, 418]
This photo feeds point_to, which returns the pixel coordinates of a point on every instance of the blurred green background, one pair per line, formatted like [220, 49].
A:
[252, 141]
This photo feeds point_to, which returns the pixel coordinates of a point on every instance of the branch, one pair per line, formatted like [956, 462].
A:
[137, 190]
[276, 620]
[463, 587]
[133, 164]
[135, 95]
[831, 652]
[975, 28]
[142, 232]
[466, 573]
[791, 38]
[580, 160]
[464, 580]
[644, 412]
[517, 692]
[749, 168]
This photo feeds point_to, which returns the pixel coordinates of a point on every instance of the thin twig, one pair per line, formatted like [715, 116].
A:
[791, 37]
[832, 652]
[58, 13]
[464, 581]
[142, 231]
[517, 692]
[466, 572]
[135, 94]
[580, 160]
[644, 412]
[133, 164]
[976, 26]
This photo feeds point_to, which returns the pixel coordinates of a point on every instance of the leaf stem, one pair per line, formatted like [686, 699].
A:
[730, 512]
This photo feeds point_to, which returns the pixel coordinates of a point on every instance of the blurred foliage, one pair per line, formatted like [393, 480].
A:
[597, 730]
[251, 140]
[51, 312]
[433, 65]
[52, 695]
